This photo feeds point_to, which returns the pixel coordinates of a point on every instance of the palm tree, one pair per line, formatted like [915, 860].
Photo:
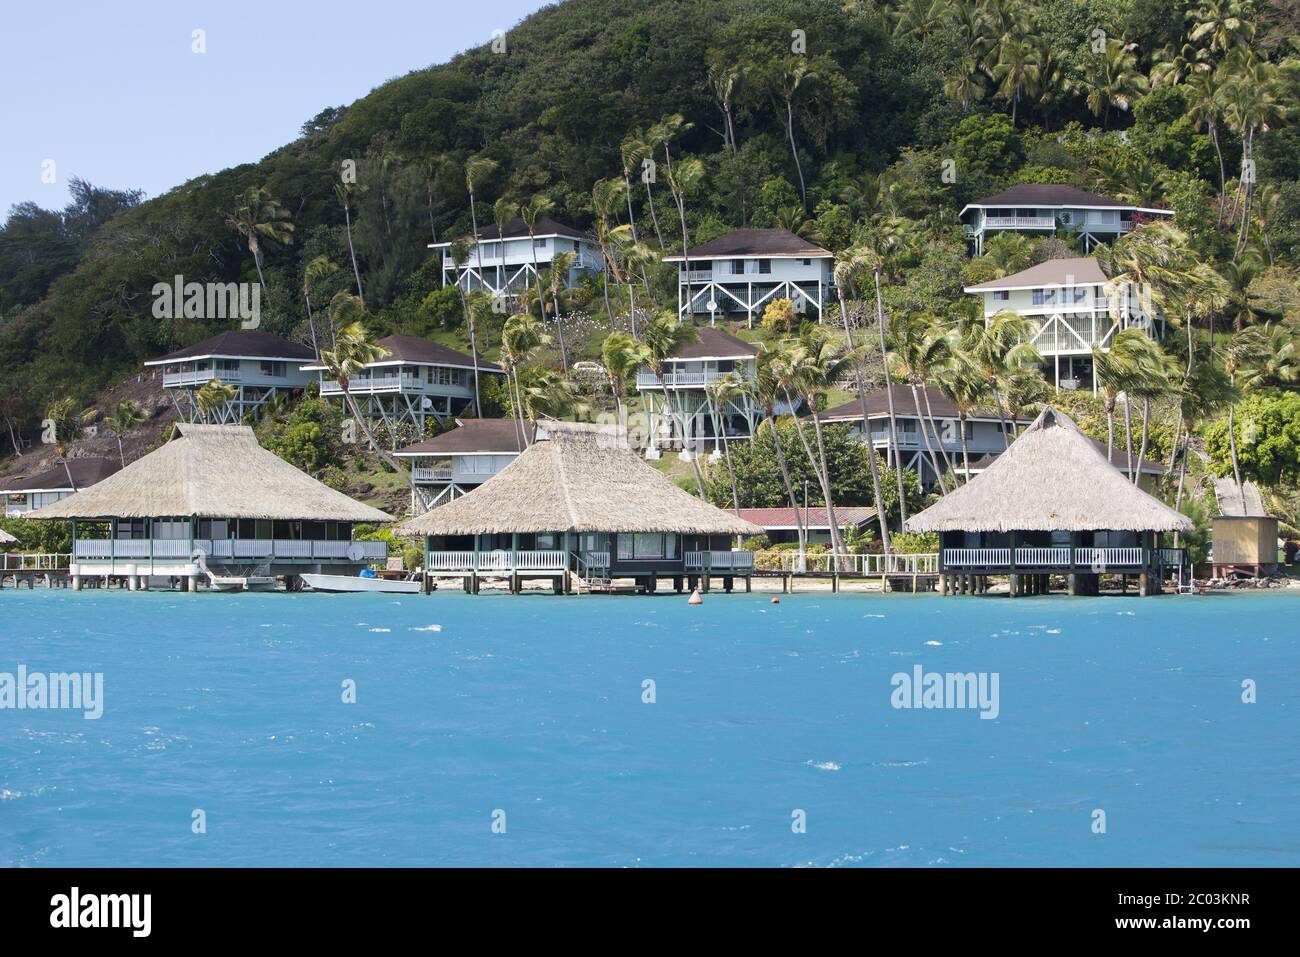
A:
[766, 388]
[720, 394]
[1002, 347]
[459, 252]
[521, 336]
[790, 77]
[558, 275]
[659, 136]
[1111, 79]
[632, 151]
[963, 382]
[875, 259]
[1205, 108]
[848, 265]
[662, 337]
[353, 352]
[1205, 391]
[605, 201]
[213, 396]
[504, 210]
[344, 193]
[681, 180]
[1017, 71]
[632, 255]
[126, 415]
[538, 207]
[318, 269]
[1224, 23]
[1123, 367]
[920, 349]
[1254, 102]
[477, 168]
[621, 356]
[1154, 383]
[259, 217]
[548, 395]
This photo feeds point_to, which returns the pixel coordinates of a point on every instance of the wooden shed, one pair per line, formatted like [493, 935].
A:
[1244, 543]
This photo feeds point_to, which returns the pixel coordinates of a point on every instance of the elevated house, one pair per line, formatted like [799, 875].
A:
[416, 380]
[504, 261]
[580, 508]
[735, 276]
[679, 399]
[1042, 209]
[24, 495]
[935, 418]
[1075, 308]
[1051, 505]
[781, 525]
[258, 365]
[213, 505]
[449, 465]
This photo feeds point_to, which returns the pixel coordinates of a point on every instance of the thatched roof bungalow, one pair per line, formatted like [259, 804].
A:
[1051, 504]
[580, 500]
[214, 489]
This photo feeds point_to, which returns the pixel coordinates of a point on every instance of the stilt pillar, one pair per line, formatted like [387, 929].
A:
[1013, 589]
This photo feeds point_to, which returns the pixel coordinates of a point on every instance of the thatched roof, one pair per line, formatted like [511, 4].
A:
[212, 471]
[1052, 478]
[6, 538]
[580, 478]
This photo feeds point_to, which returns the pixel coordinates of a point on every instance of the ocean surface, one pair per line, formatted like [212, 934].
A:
[498, 730]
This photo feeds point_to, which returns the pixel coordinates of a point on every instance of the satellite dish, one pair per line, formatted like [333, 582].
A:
[426, 403]
[356, 552]
[711, 305]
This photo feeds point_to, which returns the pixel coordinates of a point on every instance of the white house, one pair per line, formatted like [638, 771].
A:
[1043, 208]
[679, 399]
[740, 273]
[1076, 307]
[415, 380]
[507, 260]
[937, 416]
[258, 365]
[23, 495]
[449, 465]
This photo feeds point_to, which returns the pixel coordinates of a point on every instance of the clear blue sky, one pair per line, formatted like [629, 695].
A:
[112, 92]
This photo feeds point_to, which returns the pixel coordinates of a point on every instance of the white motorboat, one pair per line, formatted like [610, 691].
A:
[357, 583]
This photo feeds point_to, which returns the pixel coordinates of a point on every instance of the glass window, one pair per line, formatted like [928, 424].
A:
[546, 541]
[648, 545]
[1001, 295]
[670, 546]
[738, 267]
[273, 369]
[624, 547]
[765, 266]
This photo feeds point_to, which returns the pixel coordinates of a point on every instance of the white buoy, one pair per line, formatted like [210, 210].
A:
[695, 598]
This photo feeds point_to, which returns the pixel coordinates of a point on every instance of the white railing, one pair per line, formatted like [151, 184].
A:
[849, 563]
[976, 557]
[423, 474]
[1105, 558]
[33, 561]
[595, 559]
[500, 560]
[1043, 556]
[172, 379]
[1019, 222]
[385, 383]
[449, 561]
[648, 380]
[700, 275]
[737, 560]
[239, 548]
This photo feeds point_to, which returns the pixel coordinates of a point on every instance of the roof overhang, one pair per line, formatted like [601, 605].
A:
[220, 355]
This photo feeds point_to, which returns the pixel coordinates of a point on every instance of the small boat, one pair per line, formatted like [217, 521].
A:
[362, 583]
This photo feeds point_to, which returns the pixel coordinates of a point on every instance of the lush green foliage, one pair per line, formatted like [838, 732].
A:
[1268, 439]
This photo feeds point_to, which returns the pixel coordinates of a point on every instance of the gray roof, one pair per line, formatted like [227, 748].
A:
[905, 405]
[1051, 194]
[1229, 496]
[779, 243]
[85, 472]
[240, 343]
[501, 436]
[1079, 271]
[714, 343]
[417, 350]
[1052, 478]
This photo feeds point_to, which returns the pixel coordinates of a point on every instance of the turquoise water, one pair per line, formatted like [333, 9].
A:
[533, 706]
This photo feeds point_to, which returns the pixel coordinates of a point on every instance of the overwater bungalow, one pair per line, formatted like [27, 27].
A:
[257, 365]
[449, 465]
[579, 507]
[24, 495]
[1051, 505]
[213, 504]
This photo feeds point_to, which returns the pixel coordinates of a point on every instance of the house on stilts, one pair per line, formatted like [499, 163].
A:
[213, 506]
[579, 507]
[1051, 505]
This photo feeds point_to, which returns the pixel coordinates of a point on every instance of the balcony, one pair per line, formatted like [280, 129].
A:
[1020, 222]
[499, 560]
[174, 380]
[728, 561]
[679, 380]
[431, 475]
[226, 549]
[386, 383]
[1091, 560]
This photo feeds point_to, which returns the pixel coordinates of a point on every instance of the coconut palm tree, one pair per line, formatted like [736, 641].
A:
[1254, 101]
[873, 258]
[765, 388]
[558, 277]
[259, 217]
[1111, 79]
[1125, 366]
[537, 208]
[1204, 393]
[633, 151]
[126, 415]
[1016, 71]
[213, 396]
[1205, 109]
[317, 270]
[521, 337]
[1002, 347]
[477, 169]
[621, 356]
[682, 179]
[962, 381]
[459, 253]
[721, 393]
[343, 191]
[633, 256]
[660, 136]
[503, 210]
[353, 352]
[605, 200]
[848, 267]
[662, 336]
[920, 350]
[791, 76]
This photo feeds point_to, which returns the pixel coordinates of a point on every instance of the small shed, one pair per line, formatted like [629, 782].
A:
[1244, 543]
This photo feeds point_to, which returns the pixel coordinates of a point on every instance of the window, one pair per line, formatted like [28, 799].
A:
[546, 541]
[765, 266]
[539, 243]
[1001, 295]
[441, 375]
[648, 545]
[807, 262]
[624, 548]
[273, 369]
[738, 267]
[1044, 297]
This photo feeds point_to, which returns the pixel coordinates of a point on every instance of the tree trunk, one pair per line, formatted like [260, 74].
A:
[1142, 449]
[789, 486]
[789, 129]
[889, 395]
[347, 218]
[866, 431]
[837, 545]
[1232, 447]
[925, 436]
